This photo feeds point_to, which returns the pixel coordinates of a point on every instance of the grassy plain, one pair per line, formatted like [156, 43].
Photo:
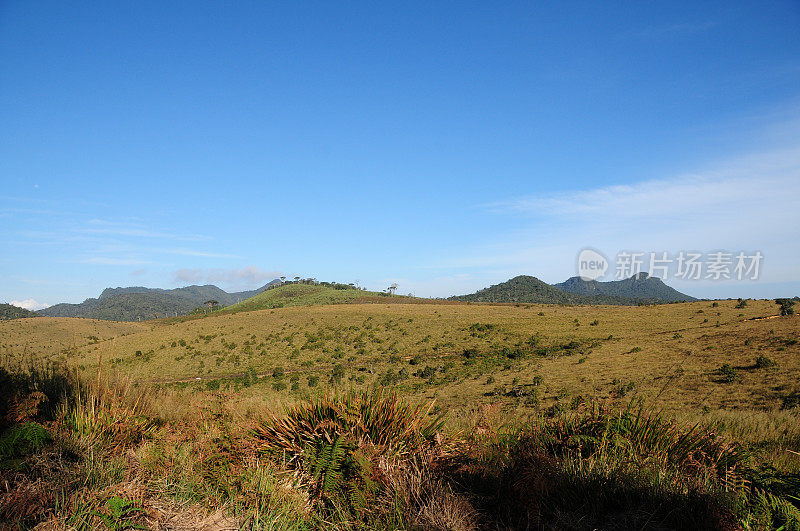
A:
[669, 354]
[732, 369]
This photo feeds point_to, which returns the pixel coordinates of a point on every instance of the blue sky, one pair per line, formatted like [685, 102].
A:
[444, 146]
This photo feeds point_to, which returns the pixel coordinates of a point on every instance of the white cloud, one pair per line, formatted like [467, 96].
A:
[188, 275]
[191, 252]
[746, 204]
[30, 304]
[115, 228]
[106, 260]
[142, 233]
[243, 278]
[248, 275]
[760, 183]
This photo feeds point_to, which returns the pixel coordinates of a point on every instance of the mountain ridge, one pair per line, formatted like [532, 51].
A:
[637, 289]
[638, 286]
[139, 303]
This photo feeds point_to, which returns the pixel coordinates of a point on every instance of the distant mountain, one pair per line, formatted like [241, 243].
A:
[523, 288]
[139, 303]
[640, 287]
[9, 311]
[531, 290]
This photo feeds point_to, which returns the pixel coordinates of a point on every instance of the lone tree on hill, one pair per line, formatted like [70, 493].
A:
[786, 306]
[391, 289]
[211, 304]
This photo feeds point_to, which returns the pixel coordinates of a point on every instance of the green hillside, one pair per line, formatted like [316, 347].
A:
[523, 288]
[294, 294]
[9, 311]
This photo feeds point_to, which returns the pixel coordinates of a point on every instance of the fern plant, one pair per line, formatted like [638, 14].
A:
[22, 439]
[340, 475]
[325, 462]
[374, 417]
[335, 441]
[120, 514]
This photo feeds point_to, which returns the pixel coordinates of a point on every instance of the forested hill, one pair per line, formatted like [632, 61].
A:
[528, 289]
[9, 311]
[531, 290]
[640, 286]
[139, 303]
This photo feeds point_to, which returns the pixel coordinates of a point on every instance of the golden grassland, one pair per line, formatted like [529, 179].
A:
[48, 336]
[180, 422]
[666, 355]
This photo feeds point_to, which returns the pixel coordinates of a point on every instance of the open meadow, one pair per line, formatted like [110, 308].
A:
[526, 356]
[159, 399]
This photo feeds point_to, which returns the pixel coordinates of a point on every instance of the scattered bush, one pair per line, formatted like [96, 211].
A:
[763, 362]
[786, 306]
[728, 373]
[791, 401]
[337, 374]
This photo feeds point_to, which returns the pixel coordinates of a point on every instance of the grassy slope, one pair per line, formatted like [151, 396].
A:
[49, 337]
[308, 295]
[668, 355]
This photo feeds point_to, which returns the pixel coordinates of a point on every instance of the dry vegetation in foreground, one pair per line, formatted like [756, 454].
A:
[676, 416]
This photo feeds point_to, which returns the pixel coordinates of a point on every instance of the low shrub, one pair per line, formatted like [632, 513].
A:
[628, 470]
[339, 443]
[763, 362]
[728, 373]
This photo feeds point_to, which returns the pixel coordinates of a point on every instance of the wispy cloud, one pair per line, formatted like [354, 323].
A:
[769, 180]
[678, 29]
[107, 260]
[748, 203]
[246, 277]
[192, 252]
[109, 242]
[188, 275]
[142, 233]
[135, 230]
